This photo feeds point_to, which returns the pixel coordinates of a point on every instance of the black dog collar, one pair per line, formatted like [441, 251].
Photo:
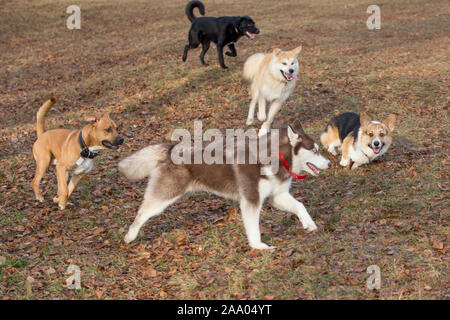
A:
[85, 152]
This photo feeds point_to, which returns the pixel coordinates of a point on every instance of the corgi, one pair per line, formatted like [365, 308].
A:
[359, 139]
[272, 77]
[244, 182]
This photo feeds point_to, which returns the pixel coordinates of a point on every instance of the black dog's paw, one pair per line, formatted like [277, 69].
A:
[224, 67]
[230, 54]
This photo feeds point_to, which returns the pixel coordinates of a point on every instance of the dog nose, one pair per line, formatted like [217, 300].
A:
[291, 70]
[329, 164]
[376, 143]
[257, 31]
[120, 140]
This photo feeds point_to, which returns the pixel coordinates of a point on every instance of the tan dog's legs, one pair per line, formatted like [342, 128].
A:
[42, 163]
[62, 176]
[73, 183]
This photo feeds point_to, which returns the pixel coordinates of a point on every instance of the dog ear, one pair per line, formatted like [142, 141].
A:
[276, 51]
[390, 122]
[297, 51]
[297, 126]
[91, 118]
[364, 119]
[293, 136]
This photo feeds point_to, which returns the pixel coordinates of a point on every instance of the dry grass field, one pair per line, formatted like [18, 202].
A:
[126, 60]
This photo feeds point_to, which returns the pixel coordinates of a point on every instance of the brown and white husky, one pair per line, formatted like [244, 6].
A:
[249, 184]
[272, 78]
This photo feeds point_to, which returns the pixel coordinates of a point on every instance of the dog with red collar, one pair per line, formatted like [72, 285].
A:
[249, 184]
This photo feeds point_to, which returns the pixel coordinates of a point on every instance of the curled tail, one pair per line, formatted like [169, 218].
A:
[190, 9]
[141, 164]
[40, 117]
[252, 66]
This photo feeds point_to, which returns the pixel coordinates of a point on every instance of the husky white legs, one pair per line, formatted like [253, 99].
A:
[148, 209]
[284, 201]
[250, 216]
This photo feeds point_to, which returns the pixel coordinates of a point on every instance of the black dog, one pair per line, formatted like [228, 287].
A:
[222, 31]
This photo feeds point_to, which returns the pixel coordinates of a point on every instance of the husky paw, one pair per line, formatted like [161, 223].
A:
[40, 199]
[310, 226]
[261, 246]
[61, 207]
[249, 121]
[261, 117]
[129, 237]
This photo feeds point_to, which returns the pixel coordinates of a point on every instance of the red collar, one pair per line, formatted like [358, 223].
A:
[295, 176]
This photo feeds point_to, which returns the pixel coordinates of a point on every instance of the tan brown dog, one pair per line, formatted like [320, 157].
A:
[70, 149]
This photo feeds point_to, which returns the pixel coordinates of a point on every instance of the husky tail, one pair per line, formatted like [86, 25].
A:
[252, 66]
[40, 117]
[190, 9]
[141, 164]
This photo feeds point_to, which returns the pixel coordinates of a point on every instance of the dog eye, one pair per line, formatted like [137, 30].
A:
[371, 134]
[109, 130]
[292, 63]
[382, 134]
[285, 63]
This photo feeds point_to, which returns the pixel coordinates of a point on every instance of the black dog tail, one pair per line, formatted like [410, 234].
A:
[190, 9]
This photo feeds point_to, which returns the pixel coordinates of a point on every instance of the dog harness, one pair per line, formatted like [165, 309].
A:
[85, 152]
[295, 176]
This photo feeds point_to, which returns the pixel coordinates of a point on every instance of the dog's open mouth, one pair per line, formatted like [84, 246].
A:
[313, 168]
[250, 35]
[377, 149]
[109, 145]
[288, 76]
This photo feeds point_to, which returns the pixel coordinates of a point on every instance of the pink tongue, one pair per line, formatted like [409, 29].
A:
[294, 76]
[376, 150]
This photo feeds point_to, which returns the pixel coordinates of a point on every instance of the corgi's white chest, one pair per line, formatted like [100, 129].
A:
[358, 156]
